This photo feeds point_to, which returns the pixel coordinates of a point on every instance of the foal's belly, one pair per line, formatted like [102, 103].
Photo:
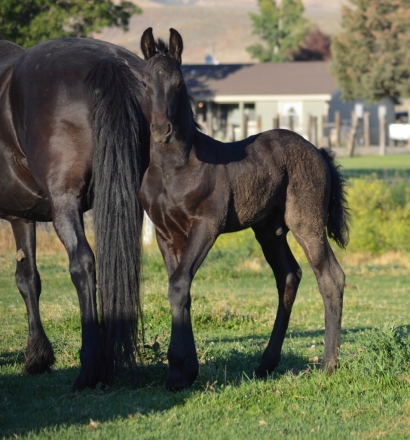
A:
[251, 206]
[240, 223]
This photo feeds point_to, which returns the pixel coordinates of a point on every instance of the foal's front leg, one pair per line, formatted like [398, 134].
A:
[182, 357]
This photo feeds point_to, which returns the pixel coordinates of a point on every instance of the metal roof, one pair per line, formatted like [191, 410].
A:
[291, 78]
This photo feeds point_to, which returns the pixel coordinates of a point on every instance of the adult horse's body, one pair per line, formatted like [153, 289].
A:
[72, 138]
[196, 188]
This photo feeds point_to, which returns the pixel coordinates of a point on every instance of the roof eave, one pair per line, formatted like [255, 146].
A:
[230, 99]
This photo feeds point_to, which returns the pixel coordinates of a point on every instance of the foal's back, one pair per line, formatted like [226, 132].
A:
[266, 171]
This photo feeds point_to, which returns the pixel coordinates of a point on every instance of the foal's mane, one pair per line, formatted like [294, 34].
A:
[161, 46]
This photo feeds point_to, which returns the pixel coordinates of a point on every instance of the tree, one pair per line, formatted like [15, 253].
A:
[27, 22]
[315, 47]
[282, 27]
[371, 57]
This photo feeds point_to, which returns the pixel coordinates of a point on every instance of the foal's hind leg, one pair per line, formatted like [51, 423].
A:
[330, 279]
[288, 275]
[68, 223]
[40, 354]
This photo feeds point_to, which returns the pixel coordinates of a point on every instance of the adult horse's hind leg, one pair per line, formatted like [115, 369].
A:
[40, 354]
[330, 278]
[68, 223]
[288, 275]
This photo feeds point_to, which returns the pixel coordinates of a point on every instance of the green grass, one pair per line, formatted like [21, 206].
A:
[399, 161]
[234, 302]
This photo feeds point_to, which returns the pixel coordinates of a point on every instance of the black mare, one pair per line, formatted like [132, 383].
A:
[72, 138]
[196, 188]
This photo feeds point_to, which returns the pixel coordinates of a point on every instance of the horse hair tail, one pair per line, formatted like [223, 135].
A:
[118, 215]
[338, 213]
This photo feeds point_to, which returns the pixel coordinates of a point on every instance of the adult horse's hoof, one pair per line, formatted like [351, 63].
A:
[39, 357]
[261, 374]
[267, 366]
[84, 381]
[174, 387]
[90, 376]
[177, 382]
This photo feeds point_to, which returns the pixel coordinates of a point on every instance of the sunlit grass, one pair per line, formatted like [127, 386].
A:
[234, 303]
[394, 161]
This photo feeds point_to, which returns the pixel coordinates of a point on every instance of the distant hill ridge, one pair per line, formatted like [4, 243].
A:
[221, 28]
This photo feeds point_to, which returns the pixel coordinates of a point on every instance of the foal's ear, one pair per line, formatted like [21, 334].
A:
[148, 44]
[175, 45]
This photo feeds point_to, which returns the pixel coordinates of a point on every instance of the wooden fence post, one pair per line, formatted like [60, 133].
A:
[276, 121]
[366, 128]
[382, 134]
[313, 129]
[259, 123]
[352, 134]
[291, 123]
[244, 126]
[209, 127]
[337, 127]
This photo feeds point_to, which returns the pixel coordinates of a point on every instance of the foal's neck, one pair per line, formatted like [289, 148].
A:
[176, 152]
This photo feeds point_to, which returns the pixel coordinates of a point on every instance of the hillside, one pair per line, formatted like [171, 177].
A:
[221, 27]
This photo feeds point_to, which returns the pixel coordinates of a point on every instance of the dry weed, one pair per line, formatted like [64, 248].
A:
[48, 242]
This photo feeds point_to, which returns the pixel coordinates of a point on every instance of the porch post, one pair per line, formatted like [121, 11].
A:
[242, 119]
[209, 127]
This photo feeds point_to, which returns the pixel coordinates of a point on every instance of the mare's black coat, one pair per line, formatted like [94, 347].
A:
[72, 138]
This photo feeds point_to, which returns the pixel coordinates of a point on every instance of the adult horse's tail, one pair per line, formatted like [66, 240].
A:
[117, 174]
[338, 213]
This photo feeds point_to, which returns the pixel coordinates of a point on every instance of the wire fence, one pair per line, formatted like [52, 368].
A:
[387, 175]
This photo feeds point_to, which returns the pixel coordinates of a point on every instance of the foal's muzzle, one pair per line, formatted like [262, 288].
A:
[161, 131]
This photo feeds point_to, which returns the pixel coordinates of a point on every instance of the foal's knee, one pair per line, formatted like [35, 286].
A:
[178, 292]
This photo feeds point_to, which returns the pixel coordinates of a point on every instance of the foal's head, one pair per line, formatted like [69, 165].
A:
[163, 82]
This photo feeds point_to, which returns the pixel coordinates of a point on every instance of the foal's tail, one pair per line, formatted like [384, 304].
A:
[338, 212]
[117, 174]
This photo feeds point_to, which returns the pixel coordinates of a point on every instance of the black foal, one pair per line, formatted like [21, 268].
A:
[197, 188]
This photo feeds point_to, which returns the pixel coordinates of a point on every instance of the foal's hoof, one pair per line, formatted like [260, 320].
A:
[266, 368]
[262, 373]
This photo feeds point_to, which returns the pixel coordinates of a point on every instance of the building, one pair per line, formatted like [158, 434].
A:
[238, 99]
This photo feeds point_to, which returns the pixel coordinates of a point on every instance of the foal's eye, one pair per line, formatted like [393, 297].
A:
[143, 84]
[180, 85]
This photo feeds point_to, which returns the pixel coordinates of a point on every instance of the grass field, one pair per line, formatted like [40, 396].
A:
[399, 161]
[233, 308]
[234, 303]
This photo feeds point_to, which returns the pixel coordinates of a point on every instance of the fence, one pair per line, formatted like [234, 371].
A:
[387, 175]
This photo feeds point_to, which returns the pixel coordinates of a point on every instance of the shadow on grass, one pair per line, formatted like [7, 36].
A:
[29, 404]
[347, 335]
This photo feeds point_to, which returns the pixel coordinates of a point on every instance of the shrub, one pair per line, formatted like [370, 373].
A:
[380, 214]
